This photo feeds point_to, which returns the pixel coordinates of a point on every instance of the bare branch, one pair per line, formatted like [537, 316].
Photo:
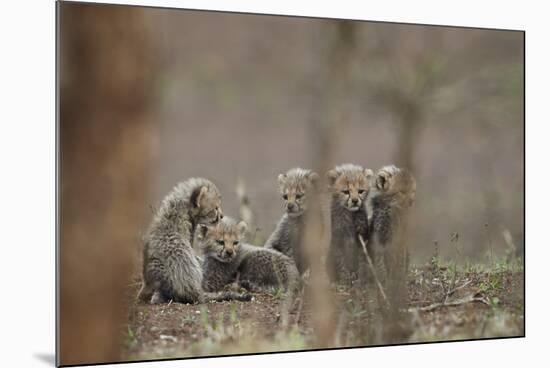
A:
[371, 265]
[467, 299]
[451, 292]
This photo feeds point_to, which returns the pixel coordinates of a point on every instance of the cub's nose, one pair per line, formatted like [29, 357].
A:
[354, 200]
[229, 252]
[290, 206]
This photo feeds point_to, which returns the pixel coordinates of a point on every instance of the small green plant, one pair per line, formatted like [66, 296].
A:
[484, 287]
[474, 268]
[219, 326]
[188, 319]
[492, 283]
[355, 309]
[278, 293]
[204, 317]
[130, 339]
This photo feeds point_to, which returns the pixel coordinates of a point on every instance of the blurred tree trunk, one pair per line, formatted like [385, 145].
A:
[105, 81]
[329, 110]
[405, 106]
[410, 124]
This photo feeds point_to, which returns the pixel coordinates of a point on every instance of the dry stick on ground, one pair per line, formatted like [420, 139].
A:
[371, 265]
[467, 299]
[452, 291]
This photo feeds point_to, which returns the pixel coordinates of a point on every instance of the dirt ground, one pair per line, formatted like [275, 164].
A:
[443, 304]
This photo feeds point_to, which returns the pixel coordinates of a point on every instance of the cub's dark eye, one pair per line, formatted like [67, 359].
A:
[285, 197]
[298, 196]
[236, 242]
[346, 192]
[220, 242]
[361, 191]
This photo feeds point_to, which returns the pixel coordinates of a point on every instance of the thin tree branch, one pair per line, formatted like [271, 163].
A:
[468, 299]
[371, 265]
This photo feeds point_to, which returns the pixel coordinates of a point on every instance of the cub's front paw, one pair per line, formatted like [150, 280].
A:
[157, 298]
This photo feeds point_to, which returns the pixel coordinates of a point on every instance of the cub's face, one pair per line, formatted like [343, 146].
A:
[207, 205]
[398, 182]
[350, 186]
[294, 187]
[222, 240]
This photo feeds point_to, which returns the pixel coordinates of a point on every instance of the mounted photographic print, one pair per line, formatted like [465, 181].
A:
[235, 183]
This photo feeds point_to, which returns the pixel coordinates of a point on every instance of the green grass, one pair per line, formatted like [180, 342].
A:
[130, 338]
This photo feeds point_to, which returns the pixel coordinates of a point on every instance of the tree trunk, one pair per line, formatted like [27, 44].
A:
[105, 79]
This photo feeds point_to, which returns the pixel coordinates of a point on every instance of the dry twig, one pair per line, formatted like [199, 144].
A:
[371, 265]
[467, 299]
[452, 291]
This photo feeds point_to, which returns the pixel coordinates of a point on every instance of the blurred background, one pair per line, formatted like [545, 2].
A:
[149, 97]
[235, 96]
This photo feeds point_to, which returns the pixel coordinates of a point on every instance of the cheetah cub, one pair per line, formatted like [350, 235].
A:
[394, 193]
[227, 259]
[294, 187]
[349, 186]
[171, 269]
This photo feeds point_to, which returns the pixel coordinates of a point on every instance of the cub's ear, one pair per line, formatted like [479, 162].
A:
[242, 227]
[202, 230]
[313, 178]
[198, 195]
[368, 173]
[383, 180]
[281, 179]
[332, 175]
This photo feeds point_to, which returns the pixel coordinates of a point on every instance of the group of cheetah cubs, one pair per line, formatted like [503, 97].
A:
[190, 218]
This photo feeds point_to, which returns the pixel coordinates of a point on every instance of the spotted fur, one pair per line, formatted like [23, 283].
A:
[394, 194]
[349, 186]
[171, 269]
[294, 186]
[228, 259]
